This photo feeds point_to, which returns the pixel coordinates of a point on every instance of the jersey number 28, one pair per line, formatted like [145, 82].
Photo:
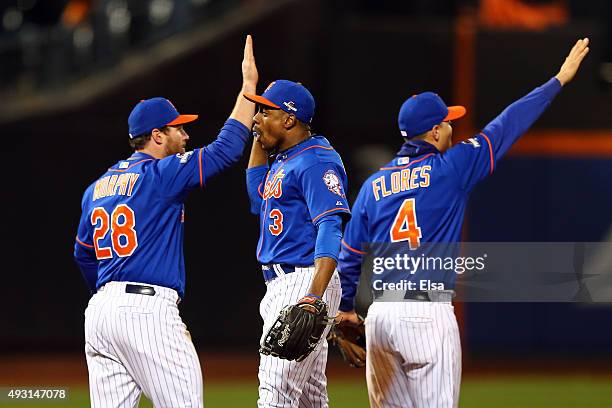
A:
[405, 226]
[121, 223]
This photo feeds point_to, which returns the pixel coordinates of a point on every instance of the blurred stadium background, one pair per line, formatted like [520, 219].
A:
[72, 70]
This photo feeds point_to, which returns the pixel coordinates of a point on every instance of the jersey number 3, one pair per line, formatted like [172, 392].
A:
[405, 226]
[123, 235]
[276, 227]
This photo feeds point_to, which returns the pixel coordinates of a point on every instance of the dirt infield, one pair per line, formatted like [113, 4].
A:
[71, 369]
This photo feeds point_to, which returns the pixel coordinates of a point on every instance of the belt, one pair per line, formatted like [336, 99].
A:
[140, 289]
[416, 295]
[271, 271]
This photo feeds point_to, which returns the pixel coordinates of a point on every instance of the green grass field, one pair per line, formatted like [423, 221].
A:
[498, 392]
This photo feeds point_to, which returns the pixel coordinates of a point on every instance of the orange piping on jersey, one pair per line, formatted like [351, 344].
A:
[277, 170]
[200, 166]
[84, 244]
[311, 147]
[259, 190]
[490, 152]
[352, 249]
[130, 166]
[407, 165]
[262, 220]
[298, 153]
[328, 211]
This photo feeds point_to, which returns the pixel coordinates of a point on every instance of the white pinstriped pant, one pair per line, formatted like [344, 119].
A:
[137, 343]
[284, 383]
[413, 355]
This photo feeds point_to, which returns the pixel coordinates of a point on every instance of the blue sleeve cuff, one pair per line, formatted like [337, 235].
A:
[329, 235]
[349, 269]
[326, 255]
[235, 126]
[88, 264]
[553, 86]
[254, 179]
[257, 169]
[346, 305]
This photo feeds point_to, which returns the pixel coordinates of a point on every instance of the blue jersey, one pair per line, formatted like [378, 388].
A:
[421, 195]
[131, 226]
[302, 186]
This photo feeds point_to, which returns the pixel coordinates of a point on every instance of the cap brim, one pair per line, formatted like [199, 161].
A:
[455, 112]
[182, 119]
[260, 100]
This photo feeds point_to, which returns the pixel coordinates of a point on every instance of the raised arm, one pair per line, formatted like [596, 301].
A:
[244, 110]
[517, 118]
[229, 145]
[572, 61]
[476, 158]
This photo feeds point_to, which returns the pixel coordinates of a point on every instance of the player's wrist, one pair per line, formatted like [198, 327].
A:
[562, 80]
[249, 87]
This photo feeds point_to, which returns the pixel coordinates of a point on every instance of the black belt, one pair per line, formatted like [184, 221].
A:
[140, 289]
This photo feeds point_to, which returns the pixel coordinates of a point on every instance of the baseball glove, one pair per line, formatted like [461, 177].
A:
[351, 342]
[297, 330]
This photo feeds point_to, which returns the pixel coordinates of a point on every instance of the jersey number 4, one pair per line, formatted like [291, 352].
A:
[405, 226]
[121, 223]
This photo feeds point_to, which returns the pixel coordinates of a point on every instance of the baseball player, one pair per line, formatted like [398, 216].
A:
[413, 348]
[300, 197]
[129, 247]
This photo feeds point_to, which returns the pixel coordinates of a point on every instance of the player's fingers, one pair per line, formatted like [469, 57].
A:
[575, 47]
[583, 54]
[579, 46]
[248, 48]
[584, 43]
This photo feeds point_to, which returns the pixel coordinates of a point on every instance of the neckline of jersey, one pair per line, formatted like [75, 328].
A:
[288, 151]
[141, 155]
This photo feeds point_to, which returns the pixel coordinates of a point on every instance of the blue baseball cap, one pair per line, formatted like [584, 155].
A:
[155, 113]
[421, 112]
[288, 96]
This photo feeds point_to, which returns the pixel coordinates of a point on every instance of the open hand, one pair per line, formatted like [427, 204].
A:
[249, 69]
[573, 60]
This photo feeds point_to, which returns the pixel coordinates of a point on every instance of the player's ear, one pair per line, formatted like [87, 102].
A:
[156, 136]
[435, 132]
[290, 121]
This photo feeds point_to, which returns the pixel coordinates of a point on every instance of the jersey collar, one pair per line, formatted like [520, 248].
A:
[294, 149]
[415, 148]
[140, 155]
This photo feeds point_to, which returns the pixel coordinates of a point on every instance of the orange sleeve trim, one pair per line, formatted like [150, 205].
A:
[347, 246]
[407, 165]
[490, 152]
[328, 211]
[200, 166]
[84, 244]
[130, 166]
